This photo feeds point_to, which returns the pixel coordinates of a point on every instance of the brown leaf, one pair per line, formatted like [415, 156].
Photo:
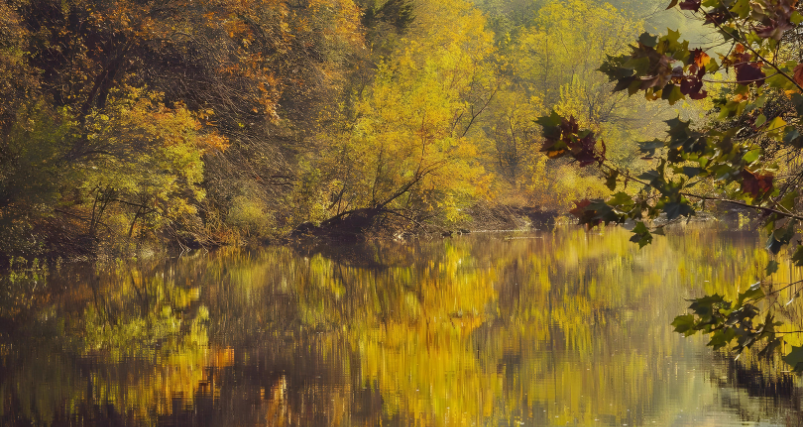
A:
[756, 184]
[798, 76]
[747, 73]
[580, 210]
[585, 215]
[569, 128]
[693, 5]
[585, 151]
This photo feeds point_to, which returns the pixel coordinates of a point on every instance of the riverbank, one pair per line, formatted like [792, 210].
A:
[61, 240]
[70, 243]
[367, 224]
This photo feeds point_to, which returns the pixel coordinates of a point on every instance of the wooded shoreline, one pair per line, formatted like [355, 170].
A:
[128, 126]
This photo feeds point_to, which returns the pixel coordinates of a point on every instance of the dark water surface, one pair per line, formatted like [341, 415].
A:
[548, 328]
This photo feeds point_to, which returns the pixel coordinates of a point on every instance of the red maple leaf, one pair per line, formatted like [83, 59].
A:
[749, 72]
[693, 5]
[756, 184]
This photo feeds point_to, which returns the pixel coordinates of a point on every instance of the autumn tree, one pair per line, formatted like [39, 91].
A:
[509, 125]
[104, 86]
[409, 143]
[745, 155]
[550, 61]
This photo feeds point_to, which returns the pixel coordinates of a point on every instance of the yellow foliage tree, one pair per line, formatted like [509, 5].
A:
[554, 61]
[409, 142]
[144, 155]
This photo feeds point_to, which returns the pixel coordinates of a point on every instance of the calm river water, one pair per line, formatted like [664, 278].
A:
[549, 328]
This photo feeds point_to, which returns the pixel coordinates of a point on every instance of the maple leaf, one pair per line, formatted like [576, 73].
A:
[581, 145]
[580, 208]
[693, 5]
[584, 151]
[749, 72]
[699, 58]
[795, 358]
[569, 128]
[584, 214]
[693, 85]
[798, 76]
[756, 184]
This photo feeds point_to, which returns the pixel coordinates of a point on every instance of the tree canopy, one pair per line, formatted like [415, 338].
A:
[205, 123]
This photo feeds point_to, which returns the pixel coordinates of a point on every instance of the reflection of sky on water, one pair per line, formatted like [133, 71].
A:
[568, 329]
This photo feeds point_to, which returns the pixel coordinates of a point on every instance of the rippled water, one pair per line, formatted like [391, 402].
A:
[555, 327]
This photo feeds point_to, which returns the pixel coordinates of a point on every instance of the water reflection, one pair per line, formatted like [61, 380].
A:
[552, 328]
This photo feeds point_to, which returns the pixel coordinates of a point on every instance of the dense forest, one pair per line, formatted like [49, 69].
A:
[126, 125]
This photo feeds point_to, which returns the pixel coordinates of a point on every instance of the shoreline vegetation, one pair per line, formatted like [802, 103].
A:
[358, 227]
[484, 220]
[127, 127]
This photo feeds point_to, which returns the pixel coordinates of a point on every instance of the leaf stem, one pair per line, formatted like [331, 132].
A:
[785, 287]
[740, 82]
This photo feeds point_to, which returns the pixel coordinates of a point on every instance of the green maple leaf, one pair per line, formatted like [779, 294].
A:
[741, 8]
[797, 257]
[772, 267]
[795, 359]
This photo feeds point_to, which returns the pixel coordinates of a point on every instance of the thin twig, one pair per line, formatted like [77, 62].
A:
[785, 287]
[740, 82]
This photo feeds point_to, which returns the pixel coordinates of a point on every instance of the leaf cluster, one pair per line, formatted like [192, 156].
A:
[732, 322]
[755, 89]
